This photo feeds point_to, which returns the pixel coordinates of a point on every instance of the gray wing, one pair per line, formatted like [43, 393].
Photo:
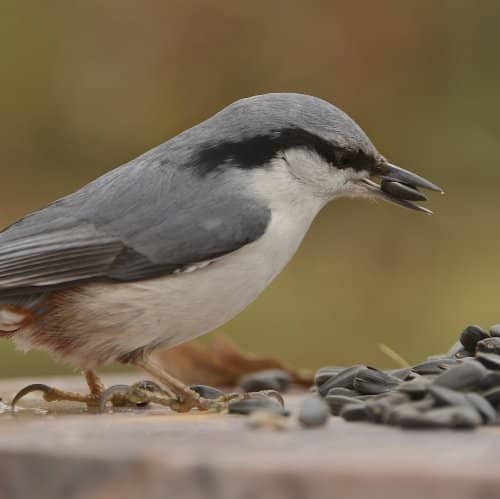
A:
[144, 219]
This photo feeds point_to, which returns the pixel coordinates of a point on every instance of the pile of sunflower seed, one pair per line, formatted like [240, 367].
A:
[460, 389]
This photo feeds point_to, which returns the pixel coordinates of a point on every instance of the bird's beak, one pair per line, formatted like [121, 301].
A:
[400, 186]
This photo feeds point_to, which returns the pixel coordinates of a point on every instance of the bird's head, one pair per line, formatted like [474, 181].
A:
[322, 148]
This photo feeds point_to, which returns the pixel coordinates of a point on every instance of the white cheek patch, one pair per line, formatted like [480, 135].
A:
[10, 320]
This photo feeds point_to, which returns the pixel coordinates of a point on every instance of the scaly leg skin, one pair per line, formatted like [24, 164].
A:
[139, 394]
[173, 393]
[185, 398]
[50, 394]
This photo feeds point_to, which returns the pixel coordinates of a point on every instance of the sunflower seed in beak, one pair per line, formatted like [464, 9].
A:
[401, 191]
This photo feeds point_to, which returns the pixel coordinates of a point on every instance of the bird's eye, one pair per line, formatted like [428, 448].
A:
[341, 158]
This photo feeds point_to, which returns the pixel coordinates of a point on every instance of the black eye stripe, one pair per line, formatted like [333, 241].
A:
[260, 149]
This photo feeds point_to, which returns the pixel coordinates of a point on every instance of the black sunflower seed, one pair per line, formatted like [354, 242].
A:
[346, 392]
[325, 373]
[270, 379]
[416, 388]
[491, 380]
[459, 389]
[444, 396]
[489, 345]
[379, 409]
[336, 402]
[393, 415]
[370, 381]
[356, 411]
[434, 366]
[247, 406]
[490, 360]
[208, 392]
[495, 330]
[493, 396]
[343, 379]
[483, 407]
[465, 376]
[313, 412]
[471, 335]
[443, 417]
[403, 374]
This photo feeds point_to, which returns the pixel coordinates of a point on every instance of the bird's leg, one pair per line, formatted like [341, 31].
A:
[51, 394]
[139, 394]
[175, 394]
[185, 398]
[96, 386]
[181, 398]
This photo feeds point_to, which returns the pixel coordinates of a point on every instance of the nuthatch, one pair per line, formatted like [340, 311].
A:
[178, 241]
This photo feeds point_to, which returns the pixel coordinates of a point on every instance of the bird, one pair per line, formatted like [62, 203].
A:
[177, 242]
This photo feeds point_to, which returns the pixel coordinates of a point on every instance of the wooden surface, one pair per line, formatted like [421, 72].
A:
[153, 453]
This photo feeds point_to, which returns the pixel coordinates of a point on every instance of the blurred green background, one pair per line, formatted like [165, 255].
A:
[88, 85]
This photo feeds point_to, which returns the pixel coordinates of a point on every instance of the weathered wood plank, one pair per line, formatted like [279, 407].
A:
[154, 453]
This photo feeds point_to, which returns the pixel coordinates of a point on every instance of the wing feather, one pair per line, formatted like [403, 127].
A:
[142, 220]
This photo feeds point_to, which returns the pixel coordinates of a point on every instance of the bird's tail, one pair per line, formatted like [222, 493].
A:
[18, 311]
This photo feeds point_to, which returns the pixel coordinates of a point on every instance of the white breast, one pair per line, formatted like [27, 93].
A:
[177, 308]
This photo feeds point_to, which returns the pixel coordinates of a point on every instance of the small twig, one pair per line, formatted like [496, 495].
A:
[398, 359]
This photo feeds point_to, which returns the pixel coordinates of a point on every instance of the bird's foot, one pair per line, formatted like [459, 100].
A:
[145, 392]
[51, 394]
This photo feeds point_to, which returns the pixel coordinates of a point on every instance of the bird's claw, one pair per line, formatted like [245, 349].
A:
[36, 387]
[51, 394]
[115, 395]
